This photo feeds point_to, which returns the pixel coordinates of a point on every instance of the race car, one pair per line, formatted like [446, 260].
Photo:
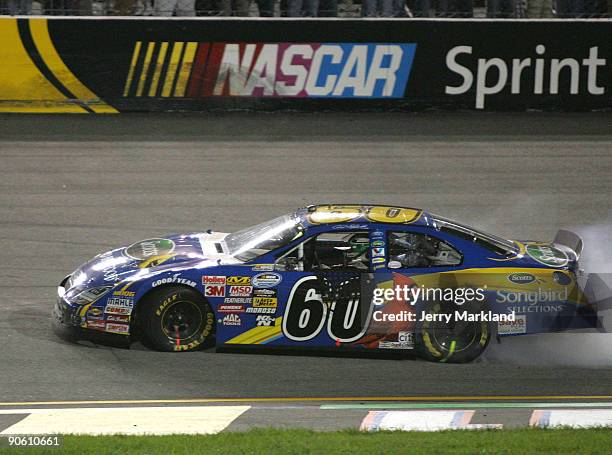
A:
[330, 277]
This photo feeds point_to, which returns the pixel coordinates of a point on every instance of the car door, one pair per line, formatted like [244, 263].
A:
[328, 275]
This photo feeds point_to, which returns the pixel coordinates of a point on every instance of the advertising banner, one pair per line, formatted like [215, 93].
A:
[122, 65]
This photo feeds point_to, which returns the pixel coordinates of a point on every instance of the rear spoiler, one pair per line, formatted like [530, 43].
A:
[570, 240]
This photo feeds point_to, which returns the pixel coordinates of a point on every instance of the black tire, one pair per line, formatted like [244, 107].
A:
[175, 318]
[460, 342]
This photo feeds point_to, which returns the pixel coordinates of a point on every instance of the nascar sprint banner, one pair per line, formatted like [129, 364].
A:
[119, 65]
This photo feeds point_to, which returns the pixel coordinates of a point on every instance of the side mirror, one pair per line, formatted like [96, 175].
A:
[394, 265]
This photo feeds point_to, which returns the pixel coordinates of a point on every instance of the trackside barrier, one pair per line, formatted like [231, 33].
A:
[99, 65]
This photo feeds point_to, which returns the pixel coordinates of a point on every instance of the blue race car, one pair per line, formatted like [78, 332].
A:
[337, 277]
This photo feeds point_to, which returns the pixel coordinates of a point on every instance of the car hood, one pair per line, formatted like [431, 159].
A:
[152, 255]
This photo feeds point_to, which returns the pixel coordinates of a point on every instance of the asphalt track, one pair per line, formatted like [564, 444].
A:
[73, 186]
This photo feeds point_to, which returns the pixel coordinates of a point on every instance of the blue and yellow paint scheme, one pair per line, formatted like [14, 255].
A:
[263, 302]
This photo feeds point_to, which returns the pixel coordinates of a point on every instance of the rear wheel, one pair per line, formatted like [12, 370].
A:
[453, 342]
[176, 318]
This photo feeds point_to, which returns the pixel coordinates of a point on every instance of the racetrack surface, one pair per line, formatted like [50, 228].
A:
[74, 186]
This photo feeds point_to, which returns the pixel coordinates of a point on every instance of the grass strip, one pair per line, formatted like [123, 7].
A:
[349, 442]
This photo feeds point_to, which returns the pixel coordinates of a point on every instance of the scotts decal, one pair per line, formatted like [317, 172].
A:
[521, 278]
[302, 70]
[266, 280]
[547, 255]
[148, 248]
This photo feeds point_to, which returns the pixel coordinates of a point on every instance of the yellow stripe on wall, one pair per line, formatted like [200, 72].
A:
[145, 69]
[161, 57]
[173, 68]
[40, 34]
[185, 70]
[130, 76]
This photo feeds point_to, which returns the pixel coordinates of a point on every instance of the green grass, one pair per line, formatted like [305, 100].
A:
[349, 442]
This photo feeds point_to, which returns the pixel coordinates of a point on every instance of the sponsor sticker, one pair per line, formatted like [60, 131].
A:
[519, 325]
[213, 280]
[214, 291]
[231, 308]
[394, 345]
[521, 278]
[119, 306]
[117, 328]
[378, 252]
[266, 280]
[378, 243]
[244, 300]
[231, 319]
[118, 318]
[238, 280]
[174, 279]
[214, 285]
[263, 268]
[121, 293]
[264, 292]
[378, 260]
[96, 325]
[265, 302]
[240, 291]
[261, 310]
[547, 255]
[148, 248]
[265, 320]
[350, 226]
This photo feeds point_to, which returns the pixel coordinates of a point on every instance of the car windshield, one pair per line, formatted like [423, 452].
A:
[254, 241]
[491, 242]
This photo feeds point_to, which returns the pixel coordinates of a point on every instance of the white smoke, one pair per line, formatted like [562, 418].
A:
[586, 348]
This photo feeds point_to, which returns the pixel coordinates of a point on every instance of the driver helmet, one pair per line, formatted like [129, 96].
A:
[359, 246]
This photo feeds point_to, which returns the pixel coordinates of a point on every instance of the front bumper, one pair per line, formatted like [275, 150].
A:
[67, 322]
[65, 318]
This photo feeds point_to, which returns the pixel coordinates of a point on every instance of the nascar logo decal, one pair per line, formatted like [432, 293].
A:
[313, 70]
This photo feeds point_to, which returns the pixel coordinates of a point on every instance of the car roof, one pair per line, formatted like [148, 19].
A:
[315, 215]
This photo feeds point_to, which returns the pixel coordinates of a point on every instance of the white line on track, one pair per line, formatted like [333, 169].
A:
[130, 420]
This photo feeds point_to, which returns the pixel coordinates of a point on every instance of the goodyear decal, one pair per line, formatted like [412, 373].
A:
[306, 70]
[34, 78]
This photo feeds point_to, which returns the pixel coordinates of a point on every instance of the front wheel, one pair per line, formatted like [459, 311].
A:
[458, 341]
[175, 318]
